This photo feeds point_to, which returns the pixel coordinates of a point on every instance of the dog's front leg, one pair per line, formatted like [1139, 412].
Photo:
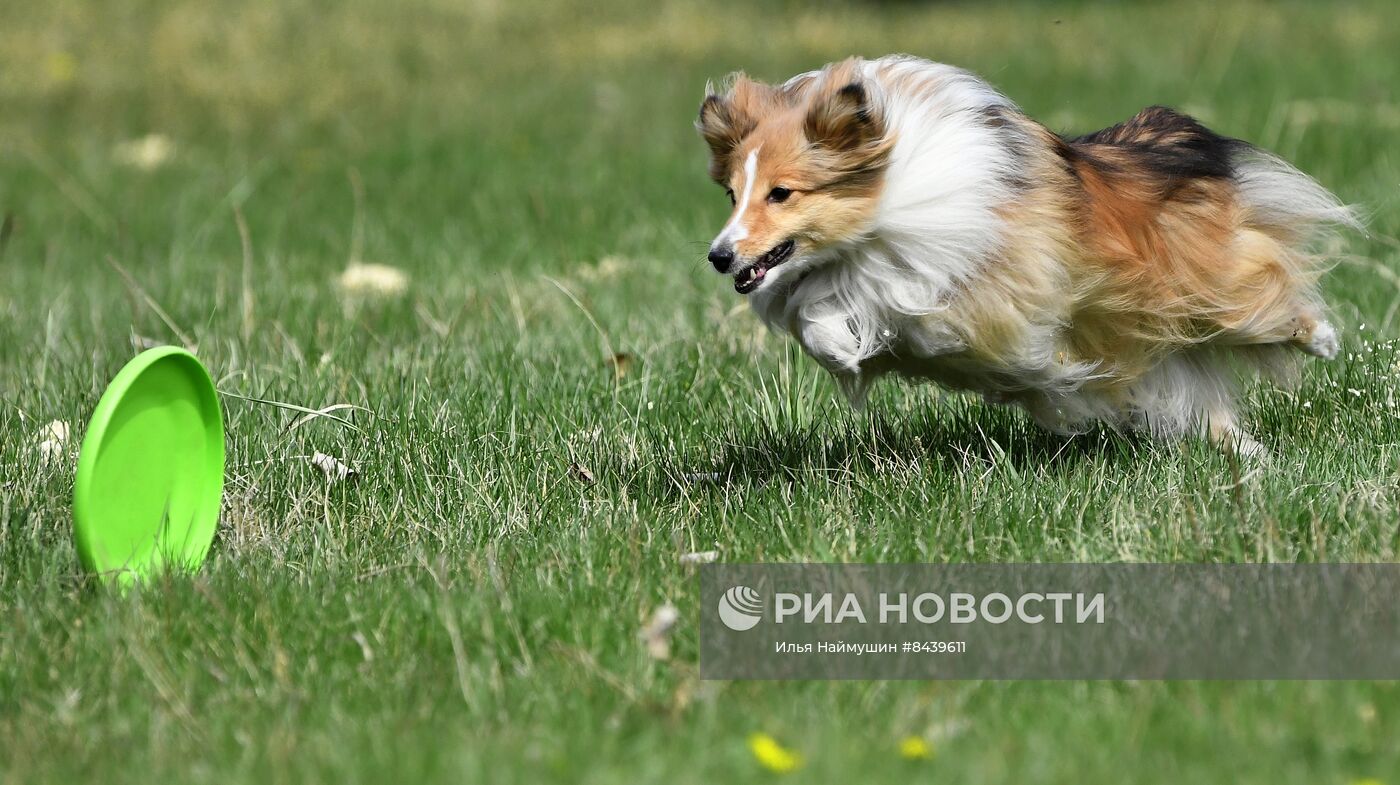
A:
[827, 336]
[928, 338]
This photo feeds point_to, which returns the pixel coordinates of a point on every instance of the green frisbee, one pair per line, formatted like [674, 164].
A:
[151, 470]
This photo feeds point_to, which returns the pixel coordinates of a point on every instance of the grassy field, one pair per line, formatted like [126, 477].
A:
[468, 608]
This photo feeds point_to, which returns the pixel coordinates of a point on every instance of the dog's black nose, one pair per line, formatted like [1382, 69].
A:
[722, 257]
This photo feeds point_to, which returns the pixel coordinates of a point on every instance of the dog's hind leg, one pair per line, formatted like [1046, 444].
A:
[1270, 299]
[1300, 325]
[1316, 336]
[1222, 429]
[1194, 394]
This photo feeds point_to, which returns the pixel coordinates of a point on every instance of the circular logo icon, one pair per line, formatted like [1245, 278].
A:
[740, 608]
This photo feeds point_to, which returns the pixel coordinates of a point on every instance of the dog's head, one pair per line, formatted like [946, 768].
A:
[802, 163]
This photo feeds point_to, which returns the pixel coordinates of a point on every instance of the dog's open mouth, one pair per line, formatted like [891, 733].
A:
[748, 279]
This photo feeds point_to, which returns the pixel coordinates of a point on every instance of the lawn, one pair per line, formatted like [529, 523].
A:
[565, 400]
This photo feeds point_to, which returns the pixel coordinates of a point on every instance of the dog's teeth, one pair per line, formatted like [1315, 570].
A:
[746, 280]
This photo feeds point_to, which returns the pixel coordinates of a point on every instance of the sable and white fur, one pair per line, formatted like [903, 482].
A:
[900, 215]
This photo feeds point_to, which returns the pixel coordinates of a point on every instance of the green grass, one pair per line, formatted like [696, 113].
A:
[468, 610]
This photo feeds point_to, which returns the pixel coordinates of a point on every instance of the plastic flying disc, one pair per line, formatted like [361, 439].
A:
[151, 470]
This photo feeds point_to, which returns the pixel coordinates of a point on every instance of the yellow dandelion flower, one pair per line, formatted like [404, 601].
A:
[61, 67]
[772, 755]
[915, 748]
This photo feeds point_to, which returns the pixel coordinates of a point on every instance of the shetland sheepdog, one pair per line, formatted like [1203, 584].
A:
[900, 215]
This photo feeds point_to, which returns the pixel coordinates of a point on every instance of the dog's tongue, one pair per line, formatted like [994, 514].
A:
[748, 279]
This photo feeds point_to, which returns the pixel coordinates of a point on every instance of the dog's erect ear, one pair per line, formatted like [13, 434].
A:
[727, 117]
[844, 118]
[718, 125]
[723, 123]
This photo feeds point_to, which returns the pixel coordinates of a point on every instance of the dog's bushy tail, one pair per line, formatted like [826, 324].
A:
[1289, 205]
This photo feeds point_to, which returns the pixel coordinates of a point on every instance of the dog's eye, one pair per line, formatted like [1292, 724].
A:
[779, 195]
[729, 192]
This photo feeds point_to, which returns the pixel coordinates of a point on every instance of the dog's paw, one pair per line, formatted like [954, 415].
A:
[1244, 446]
[1322, 341]
[1230, 439]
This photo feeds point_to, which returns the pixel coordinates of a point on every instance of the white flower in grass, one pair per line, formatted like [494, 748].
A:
[373, 279]
[50, 452]
[656, 634]
[332, 467]
[56, 430]
[52, 440]
[699, 557]
[148, 153]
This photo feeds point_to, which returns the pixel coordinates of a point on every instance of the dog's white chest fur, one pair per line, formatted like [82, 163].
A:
[974, 272]
[935, 225]
[930, 346]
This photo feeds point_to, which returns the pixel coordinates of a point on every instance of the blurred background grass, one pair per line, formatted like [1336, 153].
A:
[556, 120]
[469, 609]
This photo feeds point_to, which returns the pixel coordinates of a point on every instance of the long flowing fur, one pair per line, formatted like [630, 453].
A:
[1134, 276]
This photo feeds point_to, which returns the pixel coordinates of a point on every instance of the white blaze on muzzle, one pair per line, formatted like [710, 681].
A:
[734, 231]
